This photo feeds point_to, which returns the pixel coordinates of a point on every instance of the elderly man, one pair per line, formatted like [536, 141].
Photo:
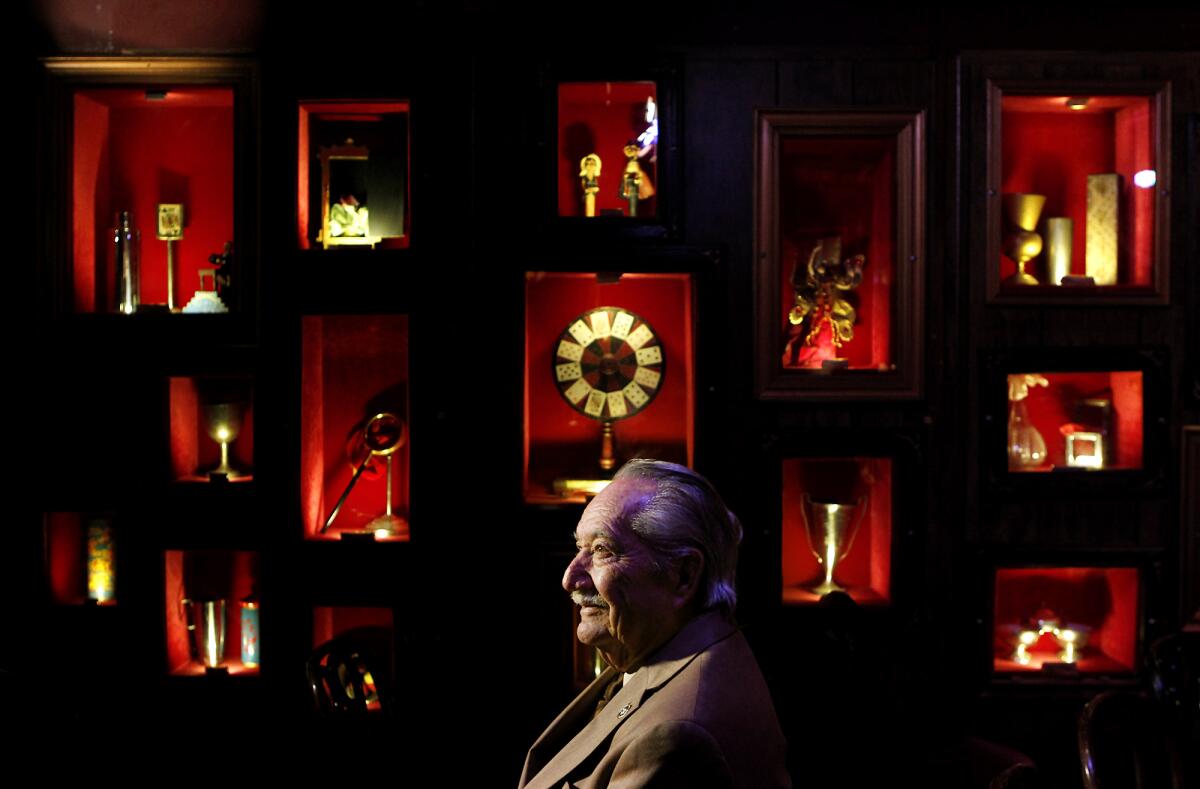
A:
[683, 703]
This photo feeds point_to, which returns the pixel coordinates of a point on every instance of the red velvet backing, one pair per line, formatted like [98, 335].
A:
[866, 570]
[1049, 149]
[559, 441]
[131, 154]
[843, 187]
[601, 118]
[1050, 407]
[232, 575]
[352, 367]
[331, 621]
[1102, 598]
[66, 567]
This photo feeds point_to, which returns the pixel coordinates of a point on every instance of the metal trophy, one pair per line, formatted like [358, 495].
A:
[170, 229]
[831, 528]
[206, 628]
[383, 434]
[1021, 241]
[126, 251]
[608, 365]
[223, 423]
[589, 181]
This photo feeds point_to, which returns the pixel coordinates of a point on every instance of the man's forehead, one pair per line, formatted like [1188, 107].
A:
[607, 513]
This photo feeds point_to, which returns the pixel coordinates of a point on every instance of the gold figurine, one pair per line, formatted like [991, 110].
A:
[635, 184]
[822, 303]
[589, 180]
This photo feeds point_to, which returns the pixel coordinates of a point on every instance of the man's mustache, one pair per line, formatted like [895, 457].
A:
[581, 599]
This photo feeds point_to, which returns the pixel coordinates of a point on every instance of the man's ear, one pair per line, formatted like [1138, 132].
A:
[689, 574]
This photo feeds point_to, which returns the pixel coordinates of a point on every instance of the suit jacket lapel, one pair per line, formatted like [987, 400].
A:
[539, 773]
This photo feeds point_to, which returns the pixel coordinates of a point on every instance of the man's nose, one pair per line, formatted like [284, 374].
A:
[576, 575]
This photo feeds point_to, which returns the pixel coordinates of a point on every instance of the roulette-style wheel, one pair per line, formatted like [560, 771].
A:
[608, 366]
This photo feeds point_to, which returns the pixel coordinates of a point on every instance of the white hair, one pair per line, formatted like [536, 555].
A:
[686, 513]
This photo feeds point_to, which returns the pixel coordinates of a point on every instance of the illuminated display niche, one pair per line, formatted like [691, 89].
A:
[134, 149]
[1081, 421]
[354, 367]
[212, 612]
[1087, 174]
[81, 558]
[366, 146]
[206, 412]
[839, 253]
[1065, 619]
[602, 118]
[849, 498]
[562, 446]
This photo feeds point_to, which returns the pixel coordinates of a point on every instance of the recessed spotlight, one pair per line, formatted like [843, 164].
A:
[1077, 102]
[156, 95]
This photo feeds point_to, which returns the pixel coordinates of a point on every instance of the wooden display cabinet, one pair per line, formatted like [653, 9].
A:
[839, 254]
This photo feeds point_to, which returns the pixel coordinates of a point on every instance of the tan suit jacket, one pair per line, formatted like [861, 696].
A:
[697, 714]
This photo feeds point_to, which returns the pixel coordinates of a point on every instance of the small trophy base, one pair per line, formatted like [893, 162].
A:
[388, 526]
[216, 671]
[1077, 280]
[569, 488]
[831, 365]
[1021, 279]
[820, 590]
[205, 301]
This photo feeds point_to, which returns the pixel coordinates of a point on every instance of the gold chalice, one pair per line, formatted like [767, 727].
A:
[223, 423]
[1021, 241]
[831, 528]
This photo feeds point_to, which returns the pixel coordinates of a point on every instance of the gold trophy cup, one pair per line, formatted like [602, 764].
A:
[1021, 241]
[223, 423]
[831, 528]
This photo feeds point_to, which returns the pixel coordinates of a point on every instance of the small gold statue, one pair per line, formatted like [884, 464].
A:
[589, 180]
[635, 184]
[820, 305]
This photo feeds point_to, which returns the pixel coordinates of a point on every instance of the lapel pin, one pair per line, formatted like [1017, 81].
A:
[625, 710]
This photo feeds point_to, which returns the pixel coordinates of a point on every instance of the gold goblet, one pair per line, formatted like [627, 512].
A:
[1021, 241]
[831, 528]
[223, 423]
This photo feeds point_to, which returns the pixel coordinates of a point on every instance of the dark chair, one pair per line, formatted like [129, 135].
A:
[1123, 744]
[1174, 667]
[351, 675]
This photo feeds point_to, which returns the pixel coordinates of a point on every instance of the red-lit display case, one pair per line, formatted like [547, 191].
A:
[1075, 420]
[211, 606]
[354, 447]
[153, 192]
[607, 162]
[839, 240]
[1079, 176]
[352, 165]
[575, 352]
[837, 528]
[81, 558]
[212, 429]
[1066, 620]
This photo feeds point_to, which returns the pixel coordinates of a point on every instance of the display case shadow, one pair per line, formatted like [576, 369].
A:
[171, 142]
[598, 110]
